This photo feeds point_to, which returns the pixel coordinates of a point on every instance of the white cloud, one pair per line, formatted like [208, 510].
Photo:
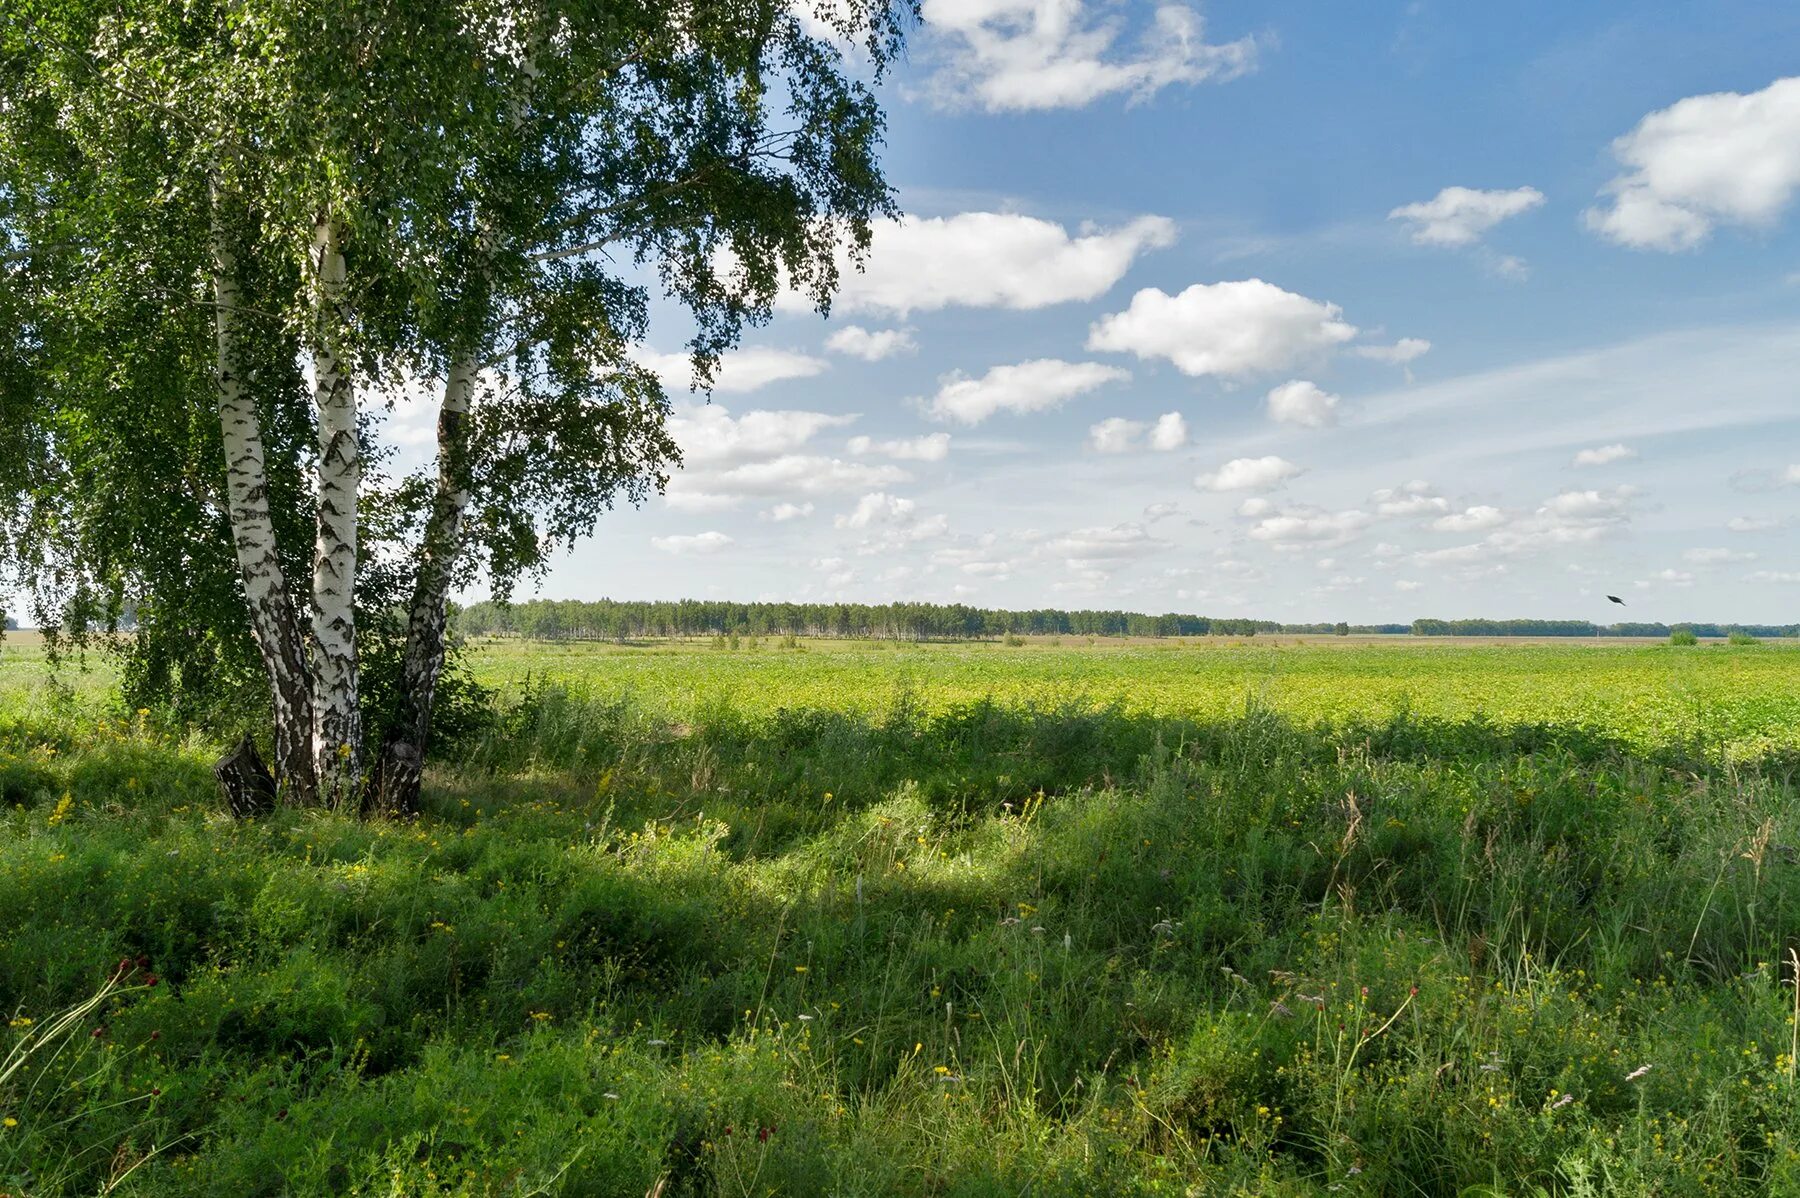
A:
[1475, 519]
[1105, 548]
[1752, 524]
[1791, 475]
[1161, 511]
[709, 436]
[761, 454]
[792, 474]
[1773, 576]
[1416, 498]
[1714, 557]
[1027, 387]
[1170, 432]
[738, 372]
[1114, 434]
[1029, 55]
[1605, 455]
[877, 507]
[932, 447]
[1407, 584]
[783, 512]
[1224, 329]
[871, 346]
[1249, 474]
[986, 260]
[1309, 528]
[1724, 158]
[1407, 349]
[700, 543]
[1460, 215]
[1680, 578]
[1300, 402]
[897, 519]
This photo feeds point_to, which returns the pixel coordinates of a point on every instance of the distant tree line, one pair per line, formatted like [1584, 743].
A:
[608, 619]
[1588, 628]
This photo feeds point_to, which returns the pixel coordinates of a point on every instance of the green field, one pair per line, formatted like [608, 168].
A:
[864, 919]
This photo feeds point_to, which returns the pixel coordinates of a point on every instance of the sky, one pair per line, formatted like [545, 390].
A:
[1299, 311]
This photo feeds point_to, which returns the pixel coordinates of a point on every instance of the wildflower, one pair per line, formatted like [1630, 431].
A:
[610, 1094]
[799, 969]
[1637, 1073]
[151, 979]
[1280, 1010]
[1562, 1102]
[156, 1034]
[20, 1021]
[657, 1043]
[9, 1121]
[805, 1018]
[763, 1134]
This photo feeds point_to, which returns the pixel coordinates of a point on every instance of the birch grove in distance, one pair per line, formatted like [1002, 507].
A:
[234, 230]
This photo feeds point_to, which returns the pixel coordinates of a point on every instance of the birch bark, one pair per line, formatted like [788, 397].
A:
[337, 719]
[273, 621]
[402, 757]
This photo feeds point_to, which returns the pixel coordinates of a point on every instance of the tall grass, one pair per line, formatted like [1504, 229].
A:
[974, 948]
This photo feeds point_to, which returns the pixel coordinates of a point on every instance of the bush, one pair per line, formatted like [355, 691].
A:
[1740, 637]
[1683, 636]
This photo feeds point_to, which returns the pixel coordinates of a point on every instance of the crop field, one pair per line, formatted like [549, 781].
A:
[1183, 918]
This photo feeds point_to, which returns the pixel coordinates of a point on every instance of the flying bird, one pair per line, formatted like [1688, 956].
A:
[1617, 600]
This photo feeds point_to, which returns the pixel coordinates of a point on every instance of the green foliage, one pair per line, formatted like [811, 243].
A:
[1683, 637]
[1738, 636]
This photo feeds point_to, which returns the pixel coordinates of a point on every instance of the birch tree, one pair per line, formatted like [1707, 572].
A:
[481, 197]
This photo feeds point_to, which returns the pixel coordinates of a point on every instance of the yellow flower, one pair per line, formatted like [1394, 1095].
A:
[9, 1121]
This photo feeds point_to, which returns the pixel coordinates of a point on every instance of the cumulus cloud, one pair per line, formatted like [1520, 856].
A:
[1309, 528]
[1407, 584]
[1105, 548]
[932, 447]
[1724, 158]
[1407, 349]
[1169, 433]
[986, 260]
[1300, 402]
[871, 345]
[1752, 524]
[1115, 434]
[783, 512]
[1228, 330]
[1416, 498]
[698, 543]
[1027, 387]
[1605, 455]
[1249, 474]
[738, 372]
[1475, 519]
[1031, 55]
[1458, 216]
[1161, 511]
[1791, 476]
[1773, 576]
[761, 454]
[1567, 518]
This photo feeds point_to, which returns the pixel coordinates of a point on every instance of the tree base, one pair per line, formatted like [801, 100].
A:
[244, 780]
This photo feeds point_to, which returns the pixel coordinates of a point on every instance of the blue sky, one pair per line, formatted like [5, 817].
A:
[1255, 215]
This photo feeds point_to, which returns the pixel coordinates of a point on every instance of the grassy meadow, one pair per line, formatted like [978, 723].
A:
[1287, 918]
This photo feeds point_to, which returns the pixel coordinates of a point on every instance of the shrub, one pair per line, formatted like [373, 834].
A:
[1683, 636]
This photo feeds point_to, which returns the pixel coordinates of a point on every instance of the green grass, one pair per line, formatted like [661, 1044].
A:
[935, 920]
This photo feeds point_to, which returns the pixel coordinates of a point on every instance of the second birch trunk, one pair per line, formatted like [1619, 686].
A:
[337, 718]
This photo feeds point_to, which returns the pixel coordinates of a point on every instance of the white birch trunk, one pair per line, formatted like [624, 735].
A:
[337, 720]
[273, 621]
